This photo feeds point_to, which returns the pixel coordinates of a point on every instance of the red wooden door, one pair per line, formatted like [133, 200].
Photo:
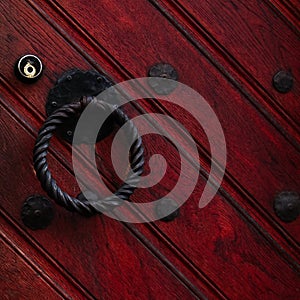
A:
[228, 51]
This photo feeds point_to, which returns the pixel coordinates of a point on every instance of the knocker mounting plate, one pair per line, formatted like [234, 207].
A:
[70, 87]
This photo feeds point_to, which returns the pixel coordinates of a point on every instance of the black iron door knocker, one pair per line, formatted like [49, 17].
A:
[67, 100]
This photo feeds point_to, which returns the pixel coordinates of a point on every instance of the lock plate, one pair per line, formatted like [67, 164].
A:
[70, 87]
[28, 68]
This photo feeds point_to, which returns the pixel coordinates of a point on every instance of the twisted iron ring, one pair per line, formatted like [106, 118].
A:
[49, 184]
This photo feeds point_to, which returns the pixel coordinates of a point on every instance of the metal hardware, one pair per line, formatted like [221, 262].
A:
[28, 68]
[283, 81]
[37, 212]
[287, 206]
[70, 87]
[92, 196]
[169, 207]
[60, 116]
[163, 70]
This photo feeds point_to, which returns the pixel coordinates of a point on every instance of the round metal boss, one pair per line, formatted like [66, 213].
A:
[37, 212]
[163, 71]
[28, 68]
[168, 208]
[287, 206]
[283, 81]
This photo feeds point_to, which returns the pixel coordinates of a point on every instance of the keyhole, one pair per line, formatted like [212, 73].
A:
[29, 70]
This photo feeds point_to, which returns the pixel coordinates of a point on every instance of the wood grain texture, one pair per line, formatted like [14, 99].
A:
[243, 155]
[220, 251]
[90, 250]
[205, 245]
[290, 9]
[202, 38]
[258, 39]
[18, 280]
[40, 261]
[67, 182]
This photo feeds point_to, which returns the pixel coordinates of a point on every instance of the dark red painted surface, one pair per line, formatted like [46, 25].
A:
[228, 51]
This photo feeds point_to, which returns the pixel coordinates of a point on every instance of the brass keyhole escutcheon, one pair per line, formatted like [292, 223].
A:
[29, 70]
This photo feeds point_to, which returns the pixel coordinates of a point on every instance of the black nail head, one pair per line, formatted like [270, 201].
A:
[166, 71]
[37, 212]
[283, 81]
[287, 206]
[169, 207]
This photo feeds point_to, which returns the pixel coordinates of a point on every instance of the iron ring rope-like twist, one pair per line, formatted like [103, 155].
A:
[49, 184]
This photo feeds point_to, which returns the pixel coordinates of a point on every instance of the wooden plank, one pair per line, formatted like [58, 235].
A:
[290, 9]
[211, 238]
[169, 230]
[19, 280]
[255, 38]
[263, 149]
[217, 53]
[69, 184]
[39, 260]
[103, 256]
